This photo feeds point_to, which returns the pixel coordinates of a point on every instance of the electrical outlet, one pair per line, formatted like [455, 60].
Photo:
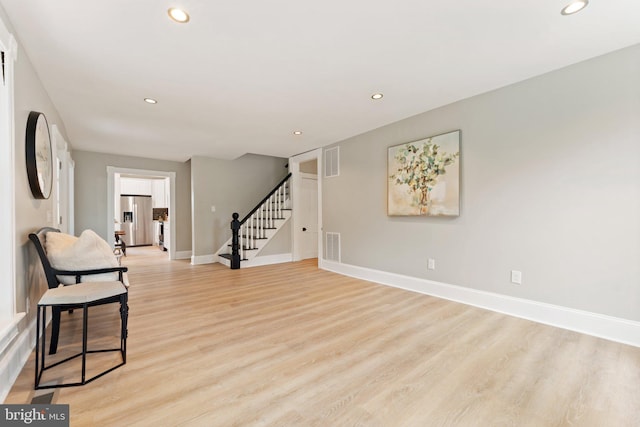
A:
[431, 264]
[516, 277]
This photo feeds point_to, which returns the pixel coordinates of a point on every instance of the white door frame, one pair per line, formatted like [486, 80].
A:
[63, 193]
[296, 183]
[112, 171]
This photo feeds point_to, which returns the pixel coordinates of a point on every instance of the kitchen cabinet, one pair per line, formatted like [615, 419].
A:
[156, 233]
[159, 193]
[136, 186]
[156, 188]
[167, 236]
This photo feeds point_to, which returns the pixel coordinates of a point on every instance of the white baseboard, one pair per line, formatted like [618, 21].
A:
[9, 330]
[259, 260]
[183, 255]
[16, 355]
[267, 260]
[204, 259]
[599, 325]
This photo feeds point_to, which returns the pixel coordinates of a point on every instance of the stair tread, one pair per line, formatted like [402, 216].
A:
[228, 256]
[246, 249]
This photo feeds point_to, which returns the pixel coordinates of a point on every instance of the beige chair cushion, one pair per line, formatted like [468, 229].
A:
[82, 293]
[87, 252]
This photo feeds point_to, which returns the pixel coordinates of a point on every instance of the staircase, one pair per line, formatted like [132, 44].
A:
[251, 234]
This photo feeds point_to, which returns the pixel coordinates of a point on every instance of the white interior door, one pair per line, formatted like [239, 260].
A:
[309, 218]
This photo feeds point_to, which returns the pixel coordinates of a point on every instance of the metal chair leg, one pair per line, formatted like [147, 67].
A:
[124, 316]
[55, 329]
[85, 324]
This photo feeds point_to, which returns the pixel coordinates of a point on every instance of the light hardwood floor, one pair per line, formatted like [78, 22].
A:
[291, 345]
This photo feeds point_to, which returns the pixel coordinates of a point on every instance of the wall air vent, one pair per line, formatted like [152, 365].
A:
[332, 247]
[332, 162]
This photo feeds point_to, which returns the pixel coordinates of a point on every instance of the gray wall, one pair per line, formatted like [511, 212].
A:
[30, 214]
[231, 186]
[280, 243]
[550, 186]
[309, 167]
[91, 192]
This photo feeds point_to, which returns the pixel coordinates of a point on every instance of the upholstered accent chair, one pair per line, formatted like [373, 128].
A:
[70, 277]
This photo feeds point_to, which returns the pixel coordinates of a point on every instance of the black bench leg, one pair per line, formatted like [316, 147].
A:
[55, 330]
[124, 318]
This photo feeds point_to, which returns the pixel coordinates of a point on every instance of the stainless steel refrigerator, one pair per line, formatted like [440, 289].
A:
[136, 217]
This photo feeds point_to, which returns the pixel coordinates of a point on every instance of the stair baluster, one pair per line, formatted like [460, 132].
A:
[254, 226]
[254, 231]
[241, 231]
[269, 211]
[250, 232]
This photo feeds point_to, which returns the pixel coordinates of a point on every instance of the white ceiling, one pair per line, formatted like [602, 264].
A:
[241, 76]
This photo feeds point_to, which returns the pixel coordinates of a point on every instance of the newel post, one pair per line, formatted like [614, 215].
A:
[235, 239]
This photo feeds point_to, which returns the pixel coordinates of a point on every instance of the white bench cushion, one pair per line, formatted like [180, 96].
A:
[82, 293]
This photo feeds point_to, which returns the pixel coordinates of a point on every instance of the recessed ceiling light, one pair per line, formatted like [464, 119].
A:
[178, 15]
[150, 101]
[377, 96]
[297, 132]
[575, 6]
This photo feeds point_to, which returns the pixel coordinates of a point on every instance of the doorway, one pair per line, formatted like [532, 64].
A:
[169, 227]
[309, 217]
[306, 220]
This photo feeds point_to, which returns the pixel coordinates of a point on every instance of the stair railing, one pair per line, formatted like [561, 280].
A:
[255, 224]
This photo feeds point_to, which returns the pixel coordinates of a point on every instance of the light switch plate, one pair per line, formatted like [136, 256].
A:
[516, 277]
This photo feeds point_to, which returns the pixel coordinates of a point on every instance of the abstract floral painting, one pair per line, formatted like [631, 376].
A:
[424, 177]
